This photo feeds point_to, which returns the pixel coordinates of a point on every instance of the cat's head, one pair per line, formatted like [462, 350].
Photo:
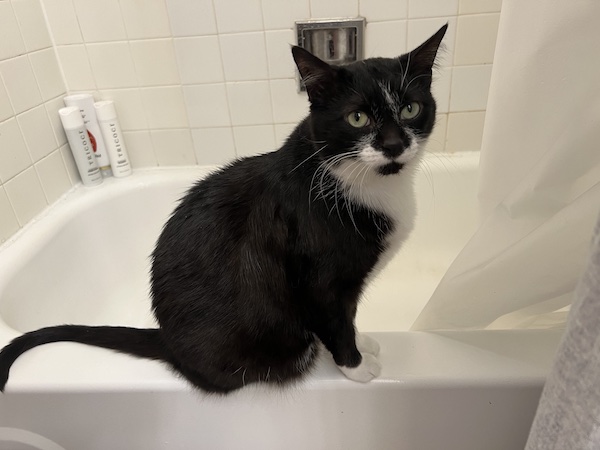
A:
[378, 111]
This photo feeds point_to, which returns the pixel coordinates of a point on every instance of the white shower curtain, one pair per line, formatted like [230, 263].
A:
[539, 176]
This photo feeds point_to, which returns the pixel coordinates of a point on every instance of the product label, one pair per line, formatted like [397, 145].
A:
[117, 142]
[89, 156]
[93, 141]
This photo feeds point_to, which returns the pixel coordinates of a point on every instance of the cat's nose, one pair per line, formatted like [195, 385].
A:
[393, 142]
[393, 148]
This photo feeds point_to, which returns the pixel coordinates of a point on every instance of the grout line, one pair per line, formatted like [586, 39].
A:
[270, 92]
[12, 107]
[137, 79]
[14, 211]
[218, 35]
[54, 46]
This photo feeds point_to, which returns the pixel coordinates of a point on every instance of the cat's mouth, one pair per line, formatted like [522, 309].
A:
[391, 168]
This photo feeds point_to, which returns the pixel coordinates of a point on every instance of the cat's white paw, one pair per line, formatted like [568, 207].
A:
[366, 344]
[368, 369]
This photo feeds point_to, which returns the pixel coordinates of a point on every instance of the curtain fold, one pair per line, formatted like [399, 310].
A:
[539, 185]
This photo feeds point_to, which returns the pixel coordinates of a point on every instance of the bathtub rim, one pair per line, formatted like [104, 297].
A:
[440, 359]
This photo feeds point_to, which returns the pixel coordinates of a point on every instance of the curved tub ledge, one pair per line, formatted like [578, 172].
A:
[447, 390]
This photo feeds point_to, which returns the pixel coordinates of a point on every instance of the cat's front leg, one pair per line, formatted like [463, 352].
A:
[369, 368]
[353, 354]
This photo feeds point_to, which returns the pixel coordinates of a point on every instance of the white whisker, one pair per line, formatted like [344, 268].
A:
[308, 158]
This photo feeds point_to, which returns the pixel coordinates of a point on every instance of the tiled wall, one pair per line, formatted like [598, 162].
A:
[36, 166]
[203, 81]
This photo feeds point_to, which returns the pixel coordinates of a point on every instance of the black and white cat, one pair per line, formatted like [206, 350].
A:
[267, 257]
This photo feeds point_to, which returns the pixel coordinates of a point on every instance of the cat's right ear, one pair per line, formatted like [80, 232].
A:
[318, 76]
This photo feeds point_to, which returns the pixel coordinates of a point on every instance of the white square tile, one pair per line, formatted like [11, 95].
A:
[20, 83]
[14, 157]
[63, 22]
[440, 88]
[289, 105]
[100, 21]
[207, 105]
[67, 156]
[386, 39]
[382, 10]
[213, 145]
[333, 8]
[11, 42]
[26, 195]
[279, 53]
[32, 23]
[164, 107]
[52, 107]
[235, 16]
[53, 176]
[254, 140]
[432, 8]
[9, 224]
[145, 20]
[278, 14]
[129, 106]
[250, 103]
[199, 59]
[140, 149]
[437, 139]
[37, 132]
[112, 65]
[283, 131]
[479, 6]
[192, 17]
[419, 30]
[6, 110]
[47, 73]
[470, 86]
[476, 39]
[76, 67]
[244, 56]
[465, 131]
[173, 147]
[145, 55]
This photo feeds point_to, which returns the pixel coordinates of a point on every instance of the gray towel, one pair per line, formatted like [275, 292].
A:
[568, 416]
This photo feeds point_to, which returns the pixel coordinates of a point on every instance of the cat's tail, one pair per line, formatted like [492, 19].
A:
[141, 342]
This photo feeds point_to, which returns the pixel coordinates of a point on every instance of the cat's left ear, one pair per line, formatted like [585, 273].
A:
[422, 58]
[318, 76]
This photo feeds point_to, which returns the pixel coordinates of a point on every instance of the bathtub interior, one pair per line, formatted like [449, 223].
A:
[86, 261]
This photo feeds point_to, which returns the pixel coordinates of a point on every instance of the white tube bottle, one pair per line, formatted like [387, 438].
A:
[85, 103]
[113, 138]
[81, 147]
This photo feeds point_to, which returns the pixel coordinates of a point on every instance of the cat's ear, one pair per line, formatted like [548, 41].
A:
[318, 76]
[422, 58]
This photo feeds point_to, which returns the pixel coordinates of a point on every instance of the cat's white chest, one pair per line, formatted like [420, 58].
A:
[393, 196]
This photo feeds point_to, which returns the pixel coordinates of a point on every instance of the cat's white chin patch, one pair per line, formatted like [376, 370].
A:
[375, 158]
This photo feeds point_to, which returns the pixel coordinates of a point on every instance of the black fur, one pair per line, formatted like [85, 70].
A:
[254, 265]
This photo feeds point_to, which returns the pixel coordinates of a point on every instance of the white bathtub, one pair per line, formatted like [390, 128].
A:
[85, 261]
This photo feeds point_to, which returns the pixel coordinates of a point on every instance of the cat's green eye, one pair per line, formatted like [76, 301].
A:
[358, 119]
[410, 111]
